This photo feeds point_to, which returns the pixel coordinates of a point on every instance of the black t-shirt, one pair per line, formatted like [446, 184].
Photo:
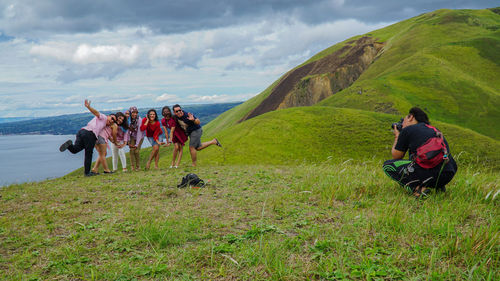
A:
[416, 135]
[188, 125]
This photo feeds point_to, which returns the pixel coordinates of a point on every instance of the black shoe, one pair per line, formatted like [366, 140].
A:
[65, 145]
[91, 174]
[218, 143]
[422, 193]
[110, 172]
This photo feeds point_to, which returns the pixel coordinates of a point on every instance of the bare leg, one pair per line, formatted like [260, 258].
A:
[206, 144]
[101, 160]
[192, 150]
[98, 161]
[157, 157]
[174, 156]
[179, 149]
[152, 155]
[102, 154]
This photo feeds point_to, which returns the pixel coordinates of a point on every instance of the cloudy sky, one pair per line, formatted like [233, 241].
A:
[117, 53]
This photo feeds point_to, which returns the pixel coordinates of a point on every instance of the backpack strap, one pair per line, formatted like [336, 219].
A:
[440, 135]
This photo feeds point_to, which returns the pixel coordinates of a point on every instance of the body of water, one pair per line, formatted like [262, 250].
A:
[27, 158]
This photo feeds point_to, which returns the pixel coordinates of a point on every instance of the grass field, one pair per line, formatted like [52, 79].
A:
[298, 193]
[259, 222]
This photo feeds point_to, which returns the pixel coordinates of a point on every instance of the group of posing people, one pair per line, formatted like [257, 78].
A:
[430, 165]
[128, 128]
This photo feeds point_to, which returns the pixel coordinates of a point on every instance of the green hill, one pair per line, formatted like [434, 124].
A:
[318, 133]
[446, 62]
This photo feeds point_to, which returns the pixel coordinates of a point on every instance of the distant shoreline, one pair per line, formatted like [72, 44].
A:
[72, 123]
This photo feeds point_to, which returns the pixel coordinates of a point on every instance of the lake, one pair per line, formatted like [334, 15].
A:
[27, 158]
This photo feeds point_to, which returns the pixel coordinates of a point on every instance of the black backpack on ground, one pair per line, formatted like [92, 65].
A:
[191, 180]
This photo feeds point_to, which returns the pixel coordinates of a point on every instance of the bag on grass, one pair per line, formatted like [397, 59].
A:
[191, 180]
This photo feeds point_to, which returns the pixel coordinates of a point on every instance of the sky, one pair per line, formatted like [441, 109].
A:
[54, 54]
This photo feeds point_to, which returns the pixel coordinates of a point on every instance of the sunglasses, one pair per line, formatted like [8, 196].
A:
[177, 110]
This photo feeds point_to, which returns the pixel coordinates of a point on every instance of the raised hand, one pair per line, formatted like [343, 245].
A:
[87, 103]
[190, 116]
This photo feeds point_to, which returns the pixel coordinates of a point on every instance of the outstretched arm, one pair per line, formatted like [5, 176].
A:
[91, 109]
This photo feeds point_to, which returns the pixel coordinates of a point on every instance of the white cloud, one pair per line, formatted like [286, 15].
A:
[208, 99]
[127, 99]
[87, 54]
[56, 50]
[166, 97]
[168, 50]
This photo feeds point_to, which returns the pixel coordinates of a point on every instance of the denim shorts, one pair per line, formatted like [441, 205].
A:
[101, 140]
[152, 141]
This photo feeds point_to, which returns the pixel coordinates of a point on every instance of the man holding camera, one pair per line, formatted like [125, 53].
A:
[419, 174]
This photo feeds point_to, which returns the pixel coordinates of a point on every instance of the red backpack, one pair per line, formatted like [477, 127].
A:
[433, 152]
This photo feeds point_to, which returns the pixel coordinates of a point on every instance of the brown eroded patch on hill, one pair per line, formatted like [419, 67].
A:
[320, 79]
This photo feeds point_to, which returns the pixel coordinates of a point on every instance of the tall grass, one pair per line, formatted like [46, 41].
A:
[325, 221]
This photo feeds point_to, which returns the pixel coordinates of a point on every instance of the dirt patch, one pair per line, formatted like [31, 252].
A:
[342, 67]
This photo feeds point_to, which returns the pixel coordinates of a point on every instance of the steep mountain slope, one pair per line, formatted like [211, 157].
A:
[314, 81]
[446, 62]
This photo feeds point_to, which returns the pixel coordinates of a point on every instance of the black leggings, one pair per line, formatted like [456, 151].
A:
[409, 175]
[84, 140]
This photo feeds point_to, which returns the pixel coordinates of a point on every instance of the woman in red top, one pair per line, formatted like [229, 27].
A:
[177, 135]
[151, 125]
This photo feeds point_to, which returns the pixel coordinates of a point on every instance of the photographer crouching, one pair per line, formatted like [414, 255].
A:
[430, 165]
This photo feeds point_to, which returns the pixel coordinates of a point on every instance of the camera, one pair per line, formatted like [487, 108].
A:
[399, 125]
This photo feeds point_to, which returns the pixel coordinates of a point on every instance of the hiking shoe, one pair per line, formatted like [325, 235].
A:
[65, 145]
[422, 194]
[91, 174]
[218, 143]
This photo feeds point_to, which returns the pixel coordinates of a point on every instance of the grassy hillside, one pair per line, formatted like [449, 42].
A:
[315, 134]
[232, 116]
[308, 222]
[446, 62]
